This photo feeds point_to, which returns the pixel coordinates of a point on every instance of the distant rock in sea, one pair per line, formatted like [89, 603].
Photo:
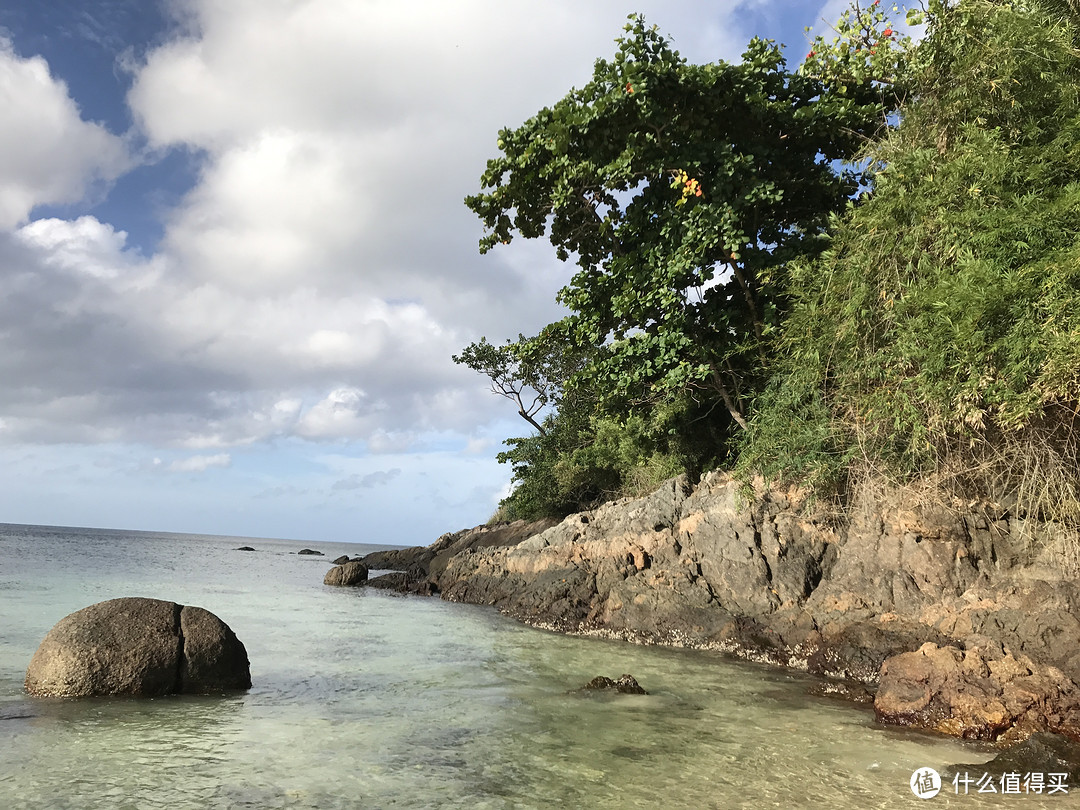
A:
[244, 548]
[137, 646]
[310, 551]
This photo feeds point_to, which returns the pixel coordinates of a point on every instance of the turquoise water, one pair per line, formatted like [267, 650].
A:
[369, 699]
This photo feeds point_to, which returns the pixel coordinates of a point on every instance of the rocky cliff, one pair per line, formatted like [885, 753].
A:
[964, 620]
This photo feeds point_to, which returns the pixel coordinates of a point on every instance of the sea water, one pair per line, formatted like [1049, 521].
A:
[366, 699]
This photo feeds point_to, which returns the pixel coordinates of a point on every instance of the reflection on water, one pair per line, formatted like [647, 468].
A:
[372, 700]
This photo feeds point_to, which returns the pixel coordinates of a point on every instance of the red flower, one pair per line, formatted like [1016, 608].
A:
[629, 88]
[888, 32]
[810, 55]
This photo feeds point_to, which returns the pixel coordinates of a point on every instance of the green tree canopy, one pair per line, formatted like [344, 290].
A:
[680, 191]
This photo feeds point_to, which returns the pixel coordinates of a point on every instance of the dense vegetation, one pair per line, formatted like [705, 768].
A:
[868, 266]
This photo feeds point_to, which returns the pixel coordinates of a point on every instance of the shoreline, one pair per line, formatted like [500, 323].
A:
[958, 621]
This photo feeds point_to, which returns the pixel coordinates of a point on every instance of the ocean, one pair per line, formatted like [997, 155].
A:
[367, 699]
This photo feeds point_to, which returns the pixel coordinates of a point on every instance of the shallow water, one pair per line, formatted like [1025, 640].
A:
[368, 699]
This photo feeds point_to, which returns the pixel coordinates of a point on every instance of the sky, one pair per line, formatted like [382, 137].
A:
[235, 261]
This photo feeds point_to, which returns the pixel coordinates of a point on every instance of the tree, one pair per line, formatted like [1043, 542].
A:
[529, 376]
[681, 191]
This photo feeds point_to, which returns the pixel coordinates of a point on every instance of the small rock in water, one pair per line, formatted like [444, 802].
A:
[344, 558]
[627, 685]
[310, 551]
[351, 573]
[244, 548]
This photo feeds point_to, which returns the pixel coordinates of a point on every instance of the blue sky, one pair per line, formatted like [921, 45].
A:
[235, 260]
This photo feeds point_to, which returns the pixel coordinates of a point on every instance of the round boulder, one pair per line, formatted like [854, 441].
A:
[137, 646]
[351, 573]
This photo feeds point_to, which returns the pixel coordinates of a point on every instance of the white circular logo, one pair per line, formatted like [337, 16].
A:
[926, 783]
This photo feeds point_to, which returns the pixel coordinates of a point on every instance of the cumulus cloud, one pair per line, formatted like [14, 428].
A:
[48, 153]
[317, 278]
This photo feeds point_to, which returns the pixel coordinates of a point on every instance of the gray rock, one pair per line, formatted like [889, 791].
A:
[213, 658]
[350, 573]
[137, 646]
[310, 552]
[344, 558]
[244, 548]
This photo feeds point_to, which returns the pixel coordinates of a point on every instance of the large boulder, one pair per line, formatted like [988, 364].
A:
[138, 646]
[351, 573]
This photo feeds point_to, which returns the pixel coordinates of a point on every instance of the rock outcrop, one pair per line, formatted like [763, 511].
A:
[976, 694]
[137, 646]
[422, 564]
[766, 576]
[349, 573]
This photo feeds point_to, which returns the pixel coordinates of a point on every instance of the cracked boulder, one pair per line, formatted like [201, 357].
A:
[140, 647]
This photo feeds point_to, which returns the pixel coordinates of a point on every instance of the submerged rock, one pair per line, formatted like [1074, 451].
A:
[138, 646]
[626, 684]
[311, 552]
[350, 573]
[1042, 753]
[841, 690]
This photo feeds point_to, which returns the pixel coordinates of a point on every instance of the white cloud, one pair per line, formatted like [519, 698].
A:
[313, 283]
[48, 154]
[316, 280]
[200, 463]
